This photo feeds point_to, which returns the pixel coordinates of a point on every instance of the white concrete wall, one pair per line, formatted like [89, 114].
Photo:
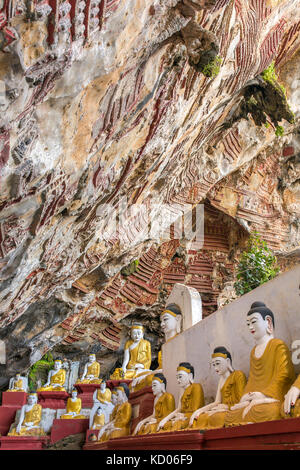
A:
[227, 327]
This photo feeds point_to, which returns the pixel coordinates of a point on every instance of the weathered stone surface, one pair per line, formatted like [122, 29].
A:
[105, 101]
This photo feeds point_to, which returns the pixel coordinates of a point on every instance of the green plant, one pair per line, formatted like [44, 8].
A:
[256, 266]
[130, 268]
[269, 75]
[40, 370]
[279, 131]
[212, 68]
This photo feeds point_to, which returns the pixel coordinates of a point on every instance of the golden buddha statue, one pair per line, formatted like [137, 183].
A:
[119, 424]
[137, 355]
[101, 398]
[191, 399]
[73, 407]
[291, 405]
[18, 384]
[230, 390]
[30, 418]
[170, 323]
[56, 379]
[91, 372]
[99, 419]
[271, 372]
[164, 404]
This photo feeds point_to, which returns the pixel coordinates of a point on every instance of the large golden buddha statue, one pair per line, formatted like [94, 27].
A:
[73, 407]
[164, 404]
[56, 379]
[119, 424]
[30, 418]
[137, 355]
[91, 372]
[230, 390]
[271, 372]
[170, 323]
[190, 400]
[291, 406]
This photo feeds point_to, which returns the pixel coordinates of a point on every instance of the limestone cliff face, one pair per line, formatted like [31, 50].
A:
[115, 107]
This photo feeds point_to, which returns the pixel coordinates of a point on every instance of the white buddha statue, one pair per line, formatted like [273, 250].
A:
[229, 392]
[18, 384]
[137, 355]
[30, 418]
[101, 399]
[170, 324]
[91, 371]
[73, 407]
[119, 424]
[56, 379]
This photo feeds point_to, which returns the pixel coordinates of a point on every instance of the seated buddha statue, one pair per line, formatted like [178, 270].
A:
[98, 420]
[137, 355]
[229, 392]
[30, 418]
[291, 405]
[18, 384]
[164, 404]
[73, 407]
[56, 379]
[91, 372]
[271, 372]
[101, 396]
[170, 324]
[119, 424]
[191, 398]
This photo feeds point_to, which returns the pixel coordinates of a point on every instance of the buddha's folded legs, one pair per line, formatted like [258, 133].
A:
[201, 422]
[257, 414]
[50, 388]
[216, 420]
[73, 417]
[28, 432]
[119, 433]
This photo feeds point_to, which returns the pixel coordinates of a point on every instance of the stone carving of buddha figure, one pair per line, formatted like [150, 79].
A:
[170, 324]
[271, 372]
[18, 384]
[230, 390]
[73, 407]
[98, 420]
[56, 379]
[119, 424]
[137, 355]
[30, 418]
[91, 372]
[101, 397]
[291, 406]
[164, 404]
[191, 398]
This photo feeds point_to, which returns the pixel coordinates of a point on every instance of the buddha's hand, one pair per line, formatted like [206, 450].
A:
[139, 366]
[195, 415]
[218, 409]
[29, 424]
[258, 401]
[245, 397]
[138, 427]
[256, 396]
[179, 416]
[290, 399]
[162, 424]
[240, 405]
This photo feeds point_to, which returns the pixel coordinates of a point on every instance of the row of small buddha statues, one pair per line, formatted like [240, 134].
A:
[271, 391]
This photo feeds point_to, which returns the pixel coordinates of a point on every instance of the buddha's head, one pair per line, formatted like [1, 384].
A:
[114, 397]
[103, 386]
[260, 321]
[92, 358]
[57, 364]
[122, 392]
[221, 360]
[74, 393]
[185, 374]
[137, 332]
[99, 411]
[159, 384]
[18, 376]
[170, 320]
[32, 399]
